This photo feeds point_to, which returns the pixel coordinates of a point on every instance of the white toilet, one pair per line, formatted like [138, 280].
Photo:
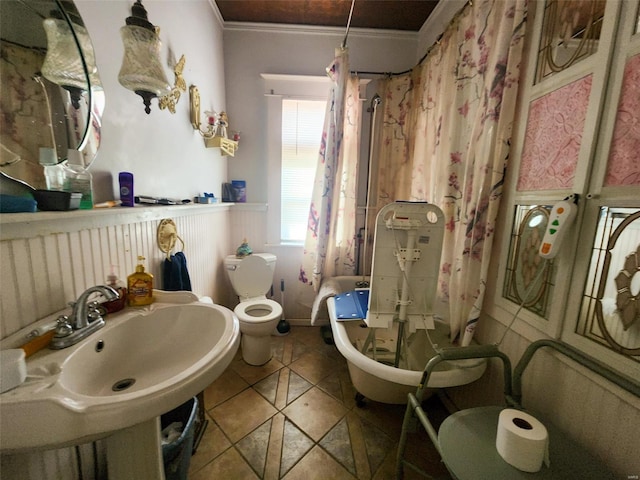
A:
[251, 278]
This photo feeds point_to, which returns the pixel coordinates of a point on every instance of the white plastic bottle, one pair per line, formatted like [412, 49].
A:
[53, 171]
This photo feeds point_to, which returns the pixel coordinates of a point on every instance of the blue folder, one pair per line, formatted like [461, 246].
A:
[352, 305]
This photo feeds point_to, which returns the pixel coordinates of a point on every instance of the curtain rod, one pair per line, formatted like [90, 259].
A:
[426, 54]
[396, 74]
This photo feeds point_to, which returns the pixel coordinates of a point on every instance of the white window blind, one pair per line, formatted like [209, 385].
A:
[302, 123]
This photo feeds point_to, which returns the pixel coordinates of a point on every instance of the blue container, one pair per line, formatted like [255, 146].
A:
[239, 188]
[176, 455]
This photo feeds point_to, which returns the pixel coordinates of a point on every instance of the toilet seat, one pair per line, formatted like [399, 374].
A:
[258, 310]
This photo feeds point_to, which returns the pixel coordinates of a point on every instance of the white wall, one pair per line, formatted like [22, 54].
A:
[166, 156]
[250, 51]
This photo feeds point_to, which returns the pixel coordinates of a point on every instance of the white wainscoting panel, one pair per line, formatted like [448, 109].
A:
[48, 260]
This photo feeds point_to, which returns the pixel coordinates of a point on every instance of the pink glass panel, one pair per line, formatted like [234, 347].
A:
[624, 158]
[553, 137]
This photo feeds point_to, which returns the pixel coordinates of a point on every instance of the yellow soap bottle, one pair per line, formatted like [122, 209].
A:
[140, 286]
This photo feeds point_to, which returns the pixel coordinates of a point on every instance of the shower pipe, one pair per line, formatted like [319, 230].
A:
[375, 101]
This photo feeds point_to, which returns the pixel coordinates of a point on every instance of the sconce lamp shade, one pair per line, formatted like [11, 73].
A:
[63, 63]
[141, 69]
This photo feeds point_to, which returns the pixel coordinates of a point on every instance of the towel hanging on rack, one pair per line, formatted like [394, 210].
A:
[175, 275]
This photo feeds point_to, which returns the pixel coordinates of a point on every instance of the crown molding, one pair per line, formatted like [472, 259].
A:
[318, 30]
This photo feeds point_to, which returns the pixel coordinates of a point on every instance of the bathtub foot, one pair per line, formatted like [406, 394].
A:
[360, 400]
[327, 334]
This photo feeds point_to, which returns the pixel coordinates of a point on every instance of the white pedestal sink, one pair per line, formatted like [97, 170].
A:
[119, 380]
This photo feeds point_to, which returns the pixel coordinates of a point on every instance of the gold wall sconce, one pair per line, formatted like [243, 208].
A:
[141, 69]
[215, 133]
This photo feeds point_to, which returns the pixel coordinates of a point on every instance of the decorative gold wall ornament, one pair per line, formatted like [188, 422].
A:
[170, 100]
[215, 134]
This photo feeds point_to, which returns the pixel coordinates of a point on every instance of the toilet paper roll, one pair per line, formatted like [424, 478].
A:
[522, 440]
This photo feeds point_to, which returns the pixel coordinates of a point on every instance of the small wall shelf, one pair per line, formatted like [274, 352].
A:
[226, 146]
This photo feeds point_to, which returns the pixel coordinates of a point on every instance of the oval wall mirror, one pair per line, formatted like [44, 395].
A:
[51, 98]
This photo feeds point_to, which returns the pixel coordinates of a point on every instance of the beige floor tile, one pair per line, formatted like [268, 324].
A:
[274, 453]
[242, 414]
[213, 443]
[229, 465]
[315, 413]
[241, 402]
[314, 366]
[386, 417]
[223, 388]
[318, 464]
[253, 374]
[359, 449]
[310, 336]
[283, 389]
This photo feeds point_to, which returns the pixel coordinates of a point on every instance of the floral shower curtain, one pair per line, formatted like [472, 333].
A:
[329, 248]
[445, 139]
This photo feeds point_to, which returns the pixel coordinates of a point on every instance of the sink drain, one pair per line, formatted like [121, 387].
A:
[123, 384]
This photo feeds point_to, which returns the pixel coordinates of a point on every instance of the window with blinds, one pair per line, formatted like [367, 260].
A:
[302, 123]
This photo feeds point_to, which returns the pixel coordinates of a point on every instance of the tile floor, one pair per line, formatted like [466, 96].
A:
[296, 418]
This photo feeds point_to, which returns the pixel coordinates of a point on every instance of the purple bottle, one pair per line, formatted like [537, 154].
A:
[126, 189]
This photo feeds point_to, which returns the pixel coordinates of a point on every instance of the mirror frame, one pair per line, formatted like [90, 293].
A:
[88, 136]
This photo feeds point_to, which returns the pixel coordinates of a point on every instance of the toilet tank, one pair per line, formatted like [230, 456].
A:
[251, 276]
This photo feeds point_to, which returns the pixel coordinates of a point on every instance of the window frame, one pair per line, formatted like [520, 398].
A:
[276, 88]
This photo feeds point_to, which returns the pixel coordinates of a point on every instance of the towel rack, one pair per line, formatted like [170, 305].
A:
[167, 234]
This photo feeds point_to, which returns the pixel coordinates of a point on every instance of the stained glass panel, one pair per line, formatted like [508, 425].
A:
[623, 167]
[570, 33]
[528, 278]
[610, 310]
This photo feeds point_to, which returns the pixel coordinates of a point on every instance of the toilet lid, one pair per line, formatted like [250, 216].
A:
[253, 277]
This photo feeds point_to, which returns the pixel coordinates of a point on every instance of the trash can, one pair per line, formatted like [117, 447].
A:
[176, 454]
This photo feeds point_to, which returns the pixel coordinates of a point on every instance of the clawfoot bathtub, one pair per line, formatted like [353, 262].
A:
[377, 379]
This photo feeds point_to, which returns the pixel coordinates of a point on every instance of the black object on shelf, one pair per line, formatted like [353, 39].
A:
[56, 200]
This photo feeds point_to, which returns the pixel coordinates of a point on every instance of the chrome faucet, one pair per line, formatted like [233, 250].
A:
[85, 318]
